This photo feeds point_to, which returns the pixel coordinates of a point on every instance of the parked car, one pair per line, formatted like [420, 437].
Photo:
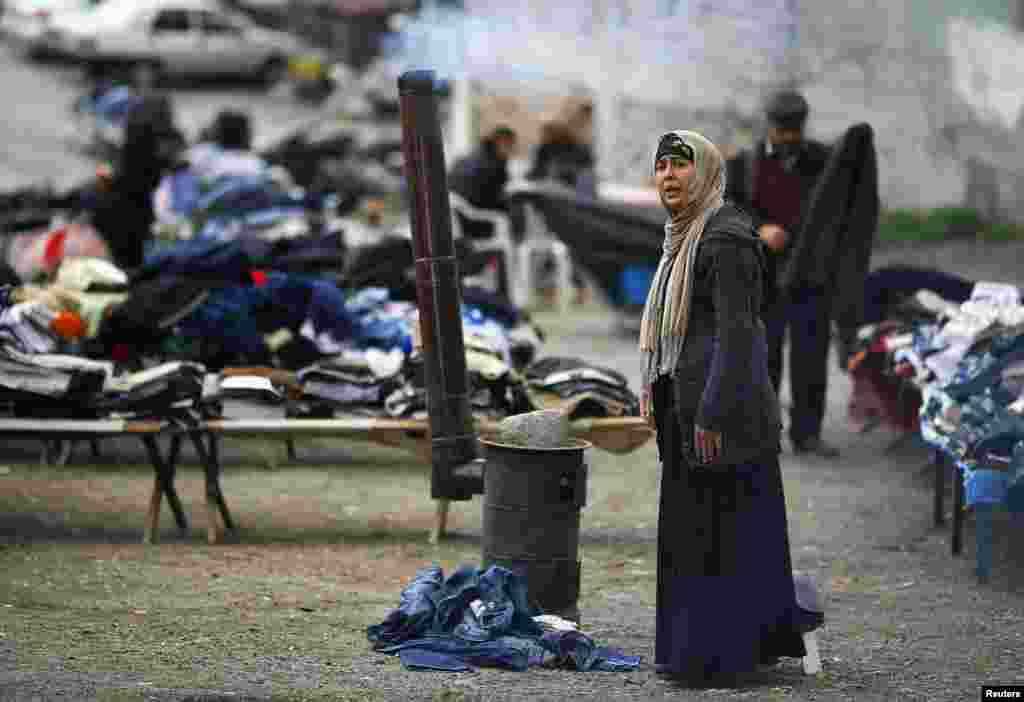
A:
[159, 38]
[25, 23]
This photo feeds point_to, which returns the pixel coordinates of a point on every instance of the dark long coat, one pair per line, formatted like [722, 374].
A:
[721, 381]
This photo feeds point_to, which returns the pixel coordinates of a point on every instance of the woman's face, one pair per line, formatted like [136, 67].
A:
[672, 177]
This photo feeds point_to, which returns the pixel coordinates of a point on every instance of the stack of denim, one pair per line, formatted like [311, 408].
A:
[482, 618]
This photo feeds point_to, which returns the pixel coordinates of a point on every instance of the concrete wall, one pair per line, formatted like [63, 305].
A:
[655, 65]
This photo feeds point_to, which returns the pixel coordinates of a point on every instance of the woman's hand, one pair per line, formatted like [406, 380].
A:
[707, 444]
[773, 235]
[646, 406]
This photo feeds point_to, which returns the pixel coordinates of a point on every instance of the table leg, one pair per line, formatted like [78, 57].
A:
[94, 444]
[62, 454]
[55, 453]
[153, 515]
[958, 510]
[174, 452]
[213, 524]
[165, 476]
[290, 444]
[940, 488]
[214, 496]
[440, 521]
[983, 540]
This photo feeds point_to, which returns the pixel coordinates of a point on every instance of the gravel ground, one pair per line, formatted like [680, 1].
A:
[905, 619]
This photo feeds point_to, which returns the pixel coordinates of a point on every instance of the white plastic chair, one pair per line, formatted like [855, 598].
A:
[500, 240]
[540, 241]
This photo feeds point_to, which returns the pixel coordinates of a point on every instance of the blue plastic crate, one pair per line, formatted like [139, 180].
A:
[634, 282]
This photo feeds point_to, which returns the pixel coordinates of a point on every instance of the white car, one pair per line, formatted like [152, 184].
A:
[174, 38]
[25, 22]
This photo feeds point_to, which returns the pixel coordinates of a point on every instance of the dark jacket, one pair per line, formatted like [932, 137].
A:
[833, 248]
[124, 215]
[741, 188]
[721, 381]
[480, 178]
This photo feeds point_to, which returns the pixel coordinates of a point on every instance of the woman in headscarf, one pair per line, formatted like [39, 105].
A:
[725, 602]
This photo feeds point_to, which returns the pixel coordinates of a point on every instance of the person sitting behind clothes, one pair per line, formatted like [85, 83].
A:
[480, 179]
[225, 149]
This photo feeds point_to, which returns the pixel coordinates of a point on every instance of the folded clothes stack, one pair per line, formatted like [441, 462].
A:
[50, 385]
[354, 381]
[579, 388]
[165, 391]
[496, 390]
[248, 397]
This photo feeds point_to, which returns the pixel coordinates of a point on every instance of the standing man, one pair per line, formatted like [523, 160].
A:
[774, 183]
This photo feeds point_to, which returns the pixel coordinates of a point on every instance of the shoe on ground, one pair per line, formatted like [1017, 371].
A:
[816, 447]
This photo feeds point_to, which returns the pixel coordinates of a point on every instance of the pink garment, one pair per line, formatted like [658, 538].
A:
[40, 253]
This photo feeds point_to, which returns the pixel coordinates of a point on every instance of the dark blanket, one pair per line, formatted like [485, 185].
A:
[833, 246]
[887, 288]
[604, 238]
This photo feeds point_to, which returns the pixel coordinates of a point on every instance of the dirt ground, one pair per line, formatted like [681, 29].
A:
[327, 542]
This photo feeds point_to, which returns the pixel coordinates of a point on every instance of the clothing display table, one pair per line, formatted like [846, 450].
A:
[964, 360]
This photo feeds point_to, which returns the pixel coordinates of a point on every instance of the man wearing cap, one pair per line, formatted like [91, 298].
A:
[774, 182]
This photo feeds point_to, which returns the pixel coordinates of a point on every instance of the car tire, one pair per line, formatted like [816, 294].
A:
[274, 70]
[146, 75]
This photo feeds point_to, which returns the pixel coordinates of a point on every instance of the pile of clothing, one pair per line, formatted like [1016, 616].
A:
[227, 195]
[496, 388]
[484, 618]
[965, 362]
[63, 386]
[212, 305]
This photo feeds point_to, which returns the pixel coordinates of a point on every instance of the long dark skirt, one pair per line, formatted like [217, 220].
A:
[726, 600]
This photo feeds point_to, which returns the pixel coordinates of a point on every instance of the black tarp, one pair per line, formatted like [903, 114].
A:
[604, 238]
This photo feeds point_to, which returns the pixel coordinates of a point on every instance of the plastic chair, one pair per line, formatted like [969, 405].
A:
[500, 240]
[540, 241]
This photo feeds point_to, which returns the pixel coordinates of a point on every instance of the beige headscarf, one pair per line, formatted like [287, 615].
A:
[666, 314]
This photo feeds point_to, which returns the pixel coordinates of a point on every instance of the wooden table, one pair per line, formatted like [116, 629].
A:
[614, 434]
[617, 435]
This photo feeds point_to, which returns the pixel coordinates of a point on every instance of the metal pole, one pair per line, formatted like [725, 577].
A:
[438, 290]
